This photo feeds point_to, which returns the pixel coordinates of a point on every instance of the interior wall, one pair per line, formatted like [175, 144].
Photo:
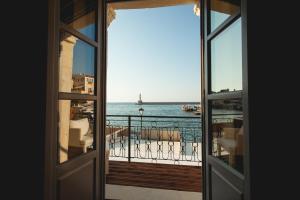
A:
[23, 68]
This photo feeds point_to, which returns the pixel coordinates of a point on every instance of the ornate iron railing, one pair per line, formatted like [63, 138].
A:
[160, 139]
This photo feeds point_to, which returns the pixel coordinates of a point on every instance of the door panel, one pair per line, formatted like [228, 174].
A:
[78, 183]
[230, 174]
[222, 188]
[77, 96]
[227, 132]
[224, 100]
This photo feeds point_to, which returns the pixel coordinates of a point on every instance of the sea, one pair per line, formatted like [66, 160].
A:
[149, 109]
[158, 110]
[158, 116]
[187, 122]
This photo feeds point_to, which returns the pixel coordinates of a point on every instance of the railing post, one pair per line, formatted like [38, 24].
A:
[129, 138]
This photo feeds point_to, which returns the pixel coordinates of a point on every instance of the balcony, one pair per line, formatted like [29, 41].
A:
[159, 157]
[153, 157]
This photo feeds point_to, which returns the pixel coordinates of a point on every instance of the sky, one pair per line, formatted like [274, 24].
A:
[84, 59]
[226, 55]
[156, 52]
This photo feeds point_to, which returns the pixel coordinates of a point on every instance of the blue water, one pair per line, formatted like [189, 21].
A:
[152, 110]
[189, 127]
[159, 110]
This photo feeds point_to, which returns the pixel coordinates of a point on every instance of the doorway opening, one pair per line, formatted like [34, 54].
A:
[153, 123]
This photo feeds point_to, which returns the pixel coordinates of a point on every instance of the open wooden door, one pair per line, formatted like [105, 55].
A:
[225, 100]
[76, 100]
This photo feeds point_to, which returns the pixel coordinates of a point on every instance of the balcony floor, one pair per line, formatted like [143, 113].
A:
[158, 176]
[121, 192]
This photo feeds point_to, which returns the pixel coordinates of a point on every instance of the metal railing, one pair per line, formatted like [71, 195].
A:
[159, 139]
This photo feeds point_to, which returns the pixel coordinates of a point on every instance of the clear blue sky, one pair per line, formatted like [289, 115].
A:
[155, 52]
[226, 55]
[84, 58]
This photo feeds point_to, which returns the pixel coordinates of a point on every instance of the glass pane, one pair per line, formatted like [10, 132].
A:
[80, 15]
[76, 128]
[221, 10]
[226, 60]
[227, 132]
[76, 65]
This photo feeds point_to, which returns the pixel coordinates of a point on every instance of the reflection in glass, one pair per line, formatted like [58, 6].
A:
[221, 10]
[228, 132]
[76, 65]
[76, 128]
[226, 60]
[80, 15]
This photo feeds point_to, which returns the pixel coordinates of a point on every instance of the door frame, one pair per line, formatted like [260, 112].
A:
[51, 165]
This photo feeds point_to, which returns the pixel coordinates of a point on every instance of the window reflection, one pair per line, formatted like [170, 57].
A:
[228, 132]
[80, 15]
[221, 10]
[76, 65]
[76, 128]
[226, 60]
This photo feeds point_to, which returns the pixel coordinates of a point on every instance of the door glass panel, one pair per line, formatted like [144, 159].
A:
[226, 60]
[220, 10]
[75, 128]
[76, 65]
[227, 132]
[80, 15]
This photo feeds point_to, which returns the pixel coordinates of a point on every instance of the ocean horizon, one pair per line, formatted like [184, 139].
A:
[157, 109]
[134, 102]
